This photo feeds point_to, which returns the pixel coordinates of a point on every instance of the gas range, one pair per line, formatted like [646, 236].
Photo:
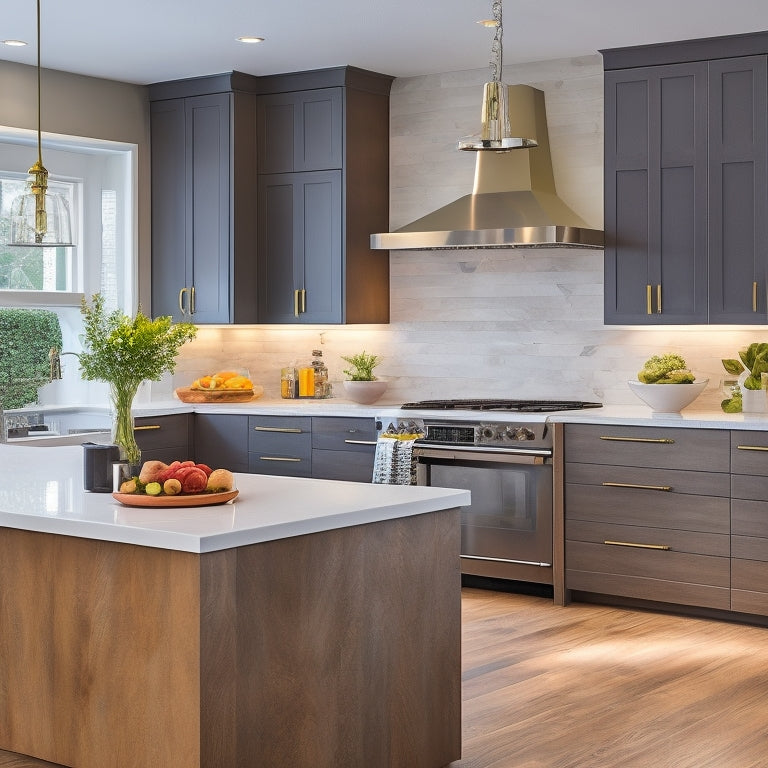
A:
[478, 423]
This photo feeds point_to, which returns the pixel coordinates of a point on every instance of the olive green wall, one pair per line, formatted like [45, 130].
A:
[75, 105]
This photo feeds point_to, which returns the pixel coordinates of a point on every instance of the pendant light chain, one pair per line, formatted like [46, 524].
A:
[496, 47]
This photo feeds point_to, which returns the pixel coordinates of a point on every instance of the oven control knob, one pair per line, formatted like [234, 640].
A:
[519, 433]
[488, 433]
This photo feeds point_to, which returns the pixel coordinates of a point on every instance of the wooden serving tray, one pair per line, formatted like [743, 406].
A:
[179, 500]
[188, 395]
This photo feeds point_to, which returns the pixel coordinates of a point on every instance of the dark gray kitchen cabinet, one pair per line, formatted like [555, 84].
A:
[323, 188]
[203, 202]
[165, 438]
[686, 187]
[343, 448]
[221, 441]
[300, 230]
[301, 131]
[280, 445]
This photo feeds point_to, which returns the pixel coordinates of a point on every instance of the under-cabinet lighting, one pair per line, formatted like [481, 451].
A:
[249, 39]
[13, 43]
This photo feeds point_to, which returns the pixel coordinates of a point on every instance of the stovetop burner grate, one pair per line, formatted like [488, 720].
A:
[488, 404]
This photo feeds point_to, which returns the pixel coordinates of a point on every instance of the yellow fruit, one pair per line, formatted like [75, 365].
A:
[220, 480]
[129, 486]
[172, 486]
[153, 489]
[224, 375]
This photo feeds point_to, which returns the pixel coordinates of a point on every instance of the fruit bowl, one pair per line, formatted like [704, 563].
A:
[668, 398]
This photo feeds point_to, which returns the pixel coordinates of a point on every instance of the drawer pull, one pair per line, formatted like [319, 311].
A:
[278, 458]
[648, 307]
[641, 487]
[664, 440]
[752, 447]
[142, 427]
[754, 296]
[663, 547]
[292, 430]
[361, 442]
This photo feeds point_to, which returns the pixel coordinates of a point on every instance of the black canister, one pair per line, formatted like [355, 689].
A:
[97, 466]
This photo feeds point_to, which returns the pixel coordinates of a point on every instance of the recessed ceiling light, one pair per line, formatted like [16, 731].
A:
[17, 43]
[250, 39]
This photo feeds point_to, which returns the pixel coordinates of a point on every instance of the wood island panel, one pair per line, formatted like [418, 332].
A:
[335, 648]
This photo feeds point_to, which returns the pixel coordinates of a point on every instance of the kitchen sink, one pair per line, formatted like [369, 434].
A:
[47, 427]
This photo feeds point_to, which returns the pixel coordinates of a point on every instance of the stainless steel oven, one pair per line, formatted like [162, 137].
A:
[504, 458]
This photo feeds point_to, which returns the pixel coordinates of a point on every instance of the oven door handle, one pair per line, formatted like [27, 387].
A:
[505, 456]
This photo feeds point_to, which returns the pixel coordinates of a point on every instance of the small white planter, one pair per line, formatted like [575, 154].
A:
[365, 392]
[753, 400]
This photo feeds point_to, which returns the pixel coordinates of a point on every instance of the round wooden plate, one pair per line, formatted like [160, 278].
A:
[181, 500]
[188, 395]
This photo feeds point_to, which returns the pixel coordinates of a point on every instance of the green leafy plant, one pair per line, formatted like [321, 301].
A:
[26, 339]
[125, 351]
[362, 366]
[754, 359]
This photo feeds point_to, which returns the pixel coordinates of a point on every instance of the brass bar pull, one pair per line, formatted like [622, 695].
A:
[658, 299]
[181, 301]
[192, 300]
[278, 429]
[361, 442]
[640, 487]
[303, 300]
[648, 307]
[663, 547]
[145, 427]
[296, 303]
[752, 447]
[664, 440]
[754, 296]
[278, 458]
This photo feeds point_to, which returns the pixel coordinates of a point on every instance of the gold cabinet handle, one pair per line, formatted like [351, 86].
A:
[303, 300]
[192, 300]
[278, 429]
[648, 307]
[664, 440]
[754, 296]
[296, 303]
[752, 448]
[278, 458]
[181, 301]
[640, 487]
[658, 299]
[663, 547]
[143, 427]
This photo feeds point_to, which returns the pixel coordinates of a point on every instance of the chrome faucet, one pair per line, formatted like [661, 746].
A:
[54, 356]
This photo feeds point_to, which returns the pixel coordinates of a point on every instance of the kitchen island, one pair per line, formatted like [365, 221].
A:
[308, 623]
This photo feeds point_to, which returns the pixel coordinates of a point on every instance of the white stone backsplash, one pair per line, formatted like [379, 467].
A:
[490, 322]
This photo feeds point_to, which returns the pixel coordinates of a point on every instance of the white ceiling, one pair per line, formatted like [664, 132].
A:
[145, 41]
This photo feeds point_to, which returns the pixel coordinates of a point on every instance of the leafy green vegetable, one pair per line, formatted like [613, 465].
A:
[363, 365]
[734, 367]
[665, 369]
[755, 359]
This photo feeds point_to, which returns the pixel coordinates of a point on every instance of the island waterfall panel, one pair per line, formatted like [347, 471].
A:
[328, 649]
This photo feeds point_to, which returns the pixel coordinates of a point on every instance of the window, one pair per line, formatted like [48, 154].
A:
[98, 179]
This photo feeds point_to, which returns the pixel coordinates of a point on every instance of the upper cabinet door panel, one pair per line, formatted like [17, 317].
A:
[738, 183]
[300, 131]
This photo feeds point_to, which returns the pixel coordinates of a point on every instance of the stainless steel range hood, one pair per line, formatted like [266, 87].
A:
[514, 203]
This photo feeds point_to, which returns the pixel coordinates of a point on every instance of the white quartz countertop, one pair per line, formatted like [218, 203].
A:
[41, 489]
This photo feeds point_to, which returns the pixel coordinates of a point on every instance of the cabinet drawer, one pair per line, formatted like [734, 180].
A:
[663, 447]
[222, 441]
[749, 518]
[343, 465]
[749, 453]
[651, 478]
[163, 432]
[691, 542]
[750, 548]
[276, 463]
[657, 509]
[343, 434]
[278, 434]
[750, 575]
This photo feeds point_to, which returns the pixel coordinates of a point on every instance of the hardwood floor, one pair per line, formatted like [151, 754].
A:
[589, 686]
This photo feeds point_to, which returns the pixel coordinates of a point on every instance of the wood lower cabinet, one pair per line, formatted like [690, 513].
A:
[647, 513]
[749, 522]
[165, 438]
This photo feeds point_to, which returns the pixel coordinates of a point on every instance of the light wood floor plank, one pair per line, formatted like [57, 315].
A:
[589, 686]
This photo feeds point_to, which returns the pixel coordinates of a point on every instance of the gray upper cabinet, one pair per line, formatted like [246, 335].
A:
[323, 188]
[203, 199]
[686, 187]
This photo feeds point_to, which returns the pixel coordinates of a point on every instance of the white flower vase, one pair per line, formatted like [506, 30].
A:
[752, 400]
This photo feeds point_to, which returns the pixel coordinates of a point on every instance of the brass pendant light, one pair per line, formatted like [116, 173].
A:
[39, 217]
[498, 133]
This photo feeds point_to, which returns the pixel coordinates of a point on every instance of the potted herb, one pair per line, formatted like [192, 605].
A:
[125, 351]
[749, 396]
[362, 386]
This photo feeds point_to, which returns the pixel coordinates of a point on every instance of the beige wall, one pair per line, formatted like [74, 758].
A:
[74, 105]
